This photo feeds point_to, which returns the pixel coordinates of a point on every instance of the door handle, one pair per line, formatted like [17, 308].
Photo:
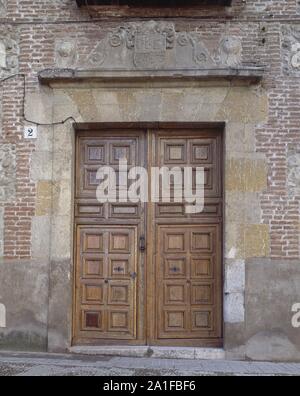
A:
[142, 243]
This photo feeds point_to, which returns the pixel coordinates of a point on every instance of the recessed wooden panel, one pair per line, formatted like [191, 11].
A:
[201, 241]
[119, 268]
[119, 321]
[175, 267]
[202, 320]
[119, 152]
[92, 267]
[93, 242]
[92, 320]
[170, 210]
[175, 293]
[91, 181]
[201, 293]
[89, 210]
[95, 154]
[201, 153]
[175, 321]
[174, 242]
[123, 211]
[174, 151]
[201, 267]
[92, 294]
[119, 242]
[118, 293]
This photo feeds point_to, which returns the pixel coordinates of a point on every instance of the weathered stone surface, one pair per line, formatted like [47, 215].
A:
[41, 232]
[2, 55]
[234, 340]
[243, 207]
[61, 195]
[244, 105]
[7, 172]
[60, 312]
[25, 296]
[3, 5]
[39, 105]
[2, 316]
[1, 230]
[9, 48]
[61, 238]
[246, 174]
[271, 345]
[272, 287]
[294, 171]
[234, 276]
[240, 137]
[291, 49]
[246, 240]
[43, 198]
[257, 240]
[234, 308]
[44, 141]
[41, 166]
[133, 104]
[234, 241]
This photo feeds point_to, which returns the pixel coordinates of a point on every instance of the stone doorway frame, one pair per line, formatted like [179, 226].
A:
[237, 104]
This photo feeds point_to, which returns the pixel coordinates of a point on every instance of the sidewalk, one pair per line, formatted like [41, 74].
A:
[36, 364]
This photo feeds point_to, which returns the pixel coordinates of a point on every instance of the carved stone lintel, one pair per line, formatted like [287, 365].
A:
[156, 45]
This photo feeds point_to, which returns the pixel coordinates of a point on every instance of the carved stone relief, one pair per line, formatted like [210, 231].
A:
[156, 45]
[294, 170]
[65, 53]
[230, 51]
[9, 51]
[291, 49]
[2, 8]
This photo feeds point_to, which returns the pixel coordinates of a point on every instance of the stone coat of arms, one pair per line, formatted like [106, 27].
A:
[157, 45]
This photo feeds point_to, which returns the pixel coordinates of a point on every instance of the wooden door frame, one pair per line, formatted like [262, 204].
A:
[149, 309]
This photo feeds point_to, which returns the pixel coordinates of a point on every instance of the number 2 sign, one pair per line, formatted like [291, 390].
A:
[30, 132]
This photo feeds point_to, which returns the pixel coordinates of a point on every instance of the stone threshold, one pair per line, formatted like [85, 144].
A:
[152, 352]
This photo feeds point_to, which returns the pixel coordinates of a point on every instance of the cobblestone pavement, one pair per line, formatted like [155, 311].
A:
[36, 364]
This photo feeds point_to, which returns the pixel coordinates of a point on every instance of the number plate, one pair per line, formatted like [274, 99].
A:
[30, 132]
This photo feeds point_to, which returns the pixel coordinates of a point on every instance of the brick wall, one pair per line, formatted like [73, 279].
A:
[263, 26]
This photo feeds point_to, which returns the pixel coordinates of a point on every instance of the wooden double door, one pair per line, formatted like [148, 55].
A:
[148, 273]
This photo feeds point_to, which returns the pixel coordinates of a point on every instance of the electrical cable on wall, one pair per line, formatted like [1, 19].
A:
[24, 99]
